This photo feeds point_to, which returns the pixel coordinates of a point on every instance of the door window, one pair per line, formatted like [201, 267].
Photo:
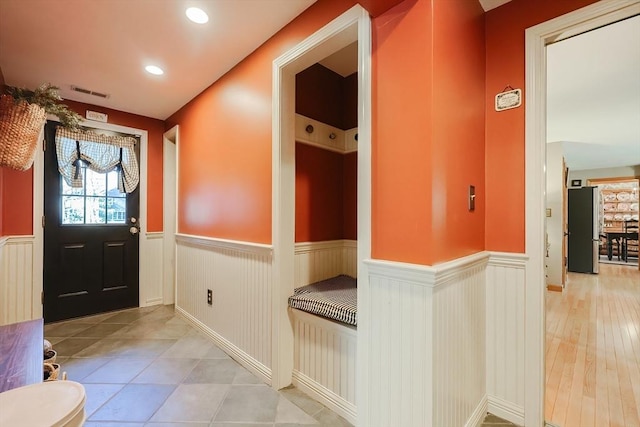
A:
[98, 201]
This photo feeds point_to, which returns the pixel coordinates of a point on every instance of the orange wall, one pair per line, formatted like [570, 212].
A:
[458, 128]
[326, 194]
[505, 156]
[225, 140]
[17, 202]
[319, 194]
[428, 135]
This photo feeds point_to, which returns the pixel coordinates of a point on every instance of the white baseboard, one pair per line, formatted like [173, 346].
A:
[506, 410]
[479, 414]
[325, 396]
[257, 368]
[153, 301]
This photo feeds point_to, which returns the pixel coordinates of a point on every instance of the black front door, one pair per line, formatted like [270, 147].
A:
[581, 222]
[90, 250]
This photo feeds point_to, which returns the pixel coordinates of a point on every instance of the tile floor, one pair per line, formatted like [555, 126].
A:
[147, 367]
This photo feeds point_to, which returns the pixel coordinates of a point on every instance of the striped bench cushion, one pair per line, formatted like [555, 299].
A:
[334, 298]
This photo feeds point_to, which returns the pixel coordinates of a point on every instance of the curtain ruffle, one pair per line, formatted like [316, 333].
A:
[101, 153]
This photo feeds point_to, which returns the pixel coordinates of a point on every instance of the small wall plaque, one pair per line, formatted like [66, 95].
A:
[576, 183]
[508, 99]
[98, 117]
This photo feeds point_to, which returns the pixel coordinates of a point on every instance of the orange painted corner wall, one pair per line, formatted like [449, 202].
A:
[458, 133]
[155, 131]
[401, 134]
[225, 140]
[319, 194]
[17, 202]
[505, 131]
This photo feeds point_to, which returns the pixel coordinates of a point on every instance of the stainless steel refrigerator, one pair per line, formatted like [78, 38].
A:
[583, 229]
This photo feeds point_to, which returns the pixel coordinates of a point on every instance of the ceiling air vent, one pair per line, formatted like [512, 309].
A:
[89, 92]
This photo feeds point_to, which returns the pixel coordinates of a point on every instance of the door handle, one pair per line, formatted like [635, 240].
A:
[135, 226]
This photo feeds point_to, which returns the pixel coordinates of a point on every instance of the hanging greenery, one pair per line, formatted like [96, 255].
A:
[47, 97]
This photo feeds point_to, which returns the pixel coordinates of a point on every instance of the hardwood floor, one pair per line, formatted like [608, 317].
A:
[593, 350]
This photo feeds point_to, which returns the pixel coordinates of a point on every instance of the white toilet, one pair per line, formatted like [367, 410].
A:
[48, 404]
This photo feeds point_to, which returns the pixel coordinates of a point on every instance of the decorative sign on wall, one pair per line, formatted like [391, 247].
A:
[508, 98]
[98, 117]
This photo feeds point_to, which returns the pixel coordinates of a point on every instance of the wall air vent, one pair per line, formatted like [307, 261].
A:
[89, 92]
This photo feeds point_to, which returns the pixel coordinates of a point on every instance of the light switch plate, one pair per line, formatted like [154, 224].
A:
[472, 198]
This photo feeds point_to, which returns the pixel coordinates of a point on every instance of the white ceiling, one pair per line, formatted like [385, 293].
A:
[103, 46]
[593, 96]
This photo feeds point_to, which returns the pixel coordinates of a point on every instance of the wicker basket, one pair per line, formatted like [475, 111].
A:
[51, 371]
[20, 126]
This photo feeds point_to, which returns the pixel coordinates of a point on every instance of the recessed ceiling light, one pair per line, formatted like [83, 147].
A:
[154, 69]
[197, 15]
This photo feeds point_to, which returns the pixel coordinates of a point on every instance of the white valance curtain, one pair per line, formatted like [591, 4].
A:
[101, 153]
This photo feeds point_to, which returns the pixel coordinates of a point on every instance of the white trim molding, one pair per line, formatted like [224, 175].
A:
[260, 370]
[326, 136]
[536, 39]
[427, 343]
[214, 243]
[353, 25]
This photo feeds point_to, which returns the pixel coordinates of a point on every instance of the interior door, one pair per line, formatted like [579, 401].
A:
[581, 222]
[91, 246]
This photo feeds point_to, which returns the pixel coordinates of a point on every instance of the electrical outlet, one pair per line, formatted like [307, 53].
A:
[209, 297]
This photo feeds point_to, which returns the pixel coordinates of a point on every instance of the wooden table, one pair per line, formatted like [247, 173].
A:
[619, 237]
[21, 355]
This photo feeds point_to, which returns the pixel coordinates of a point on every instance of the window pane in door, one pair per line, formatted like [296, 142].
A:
[116, 210]
[95, 183]
[72, 210]
[96, 212]
[68, 190]
[112, 184]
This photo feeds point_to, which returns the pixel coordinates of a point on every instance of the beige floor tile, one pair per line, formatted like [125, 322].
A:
[166, 371]
[249, 404]
[97, 395]
[189, 347]
[134, 403]
[78, 368]
[118, 371]
[72, 346]
[192, 403]
[214, 371]
[287, 412]
[100, 330]
[67, 329]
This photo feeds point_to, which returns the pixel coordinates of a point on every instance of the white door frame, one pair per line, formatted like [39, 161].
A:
[38, 210]
[169, 212]
[536, 38]
[353, 25]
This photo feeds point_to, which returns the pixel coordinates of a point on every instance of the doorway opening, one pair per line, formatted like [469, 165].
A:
[537, 38]
[353, 26]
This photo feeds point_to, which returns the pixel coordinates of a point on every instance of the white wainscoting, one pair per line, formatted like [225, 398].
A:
[19, 300]
[151, 268]
[426, 343]
[239, 274]
[324, 361]
[315, 261]
[506, 281]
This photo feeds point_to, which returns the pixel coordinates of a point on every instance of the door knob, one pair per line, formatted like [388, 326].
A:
[134, 230]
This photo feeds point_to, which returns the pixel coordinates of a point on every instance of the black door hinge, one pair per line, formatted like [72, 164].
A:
[43, 221]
